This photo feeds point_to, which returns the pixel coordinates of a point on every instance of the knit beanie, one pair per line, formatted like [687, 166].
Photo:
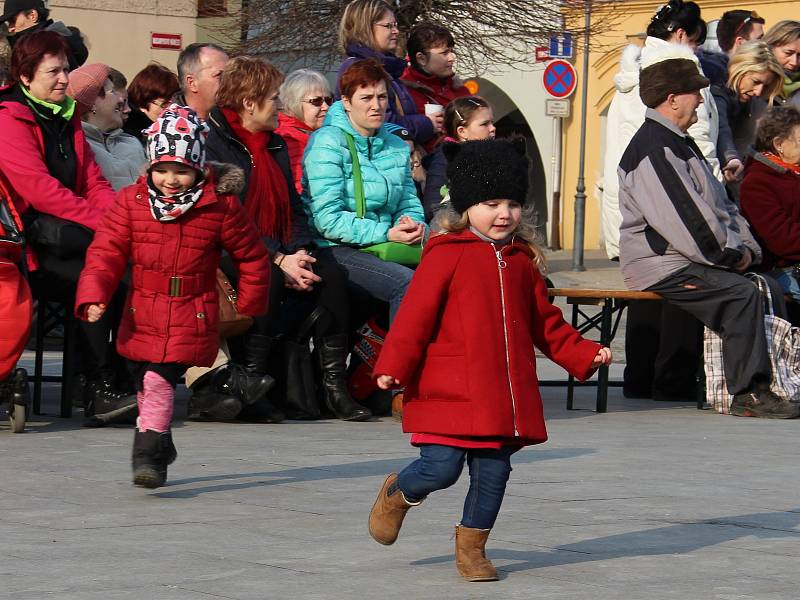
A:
[486, 170]
[671, 76]
[178, 135]
[86, 82]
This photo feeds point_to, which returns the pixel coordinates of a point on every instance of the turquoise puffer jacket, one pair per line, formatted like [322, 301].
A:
[328, 193]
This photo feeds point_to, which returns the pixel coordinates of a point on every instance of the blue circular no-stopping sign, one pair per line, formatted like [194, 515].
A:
[559, 79]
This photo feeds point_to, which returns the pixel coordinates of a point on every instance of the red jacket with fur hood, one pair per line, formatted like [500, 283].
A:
[463, 342]
[180, 328]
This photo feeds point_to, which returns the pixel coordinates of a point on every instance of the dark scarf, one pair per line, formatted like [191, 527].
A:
[394, 66]
[267, 200]
[168, 208]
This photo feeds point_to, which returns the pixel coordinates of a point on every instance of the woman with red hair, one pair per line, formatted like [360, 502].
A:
[56, 186]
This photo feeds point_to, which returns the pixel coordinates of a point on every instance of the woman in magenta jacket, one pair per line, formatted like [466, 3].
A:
[50, 171]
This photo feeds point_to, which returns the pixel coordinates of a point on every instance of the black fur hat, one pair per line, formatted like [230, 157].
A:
[486, 170]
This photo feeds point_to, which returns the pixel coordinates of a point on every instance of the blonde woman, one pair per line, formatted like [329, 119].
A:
[369, 29]
[784, 40]
[755, 78]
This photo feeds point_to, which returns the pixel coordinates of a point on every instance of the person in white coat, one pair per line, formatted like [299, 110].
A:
[675, 31]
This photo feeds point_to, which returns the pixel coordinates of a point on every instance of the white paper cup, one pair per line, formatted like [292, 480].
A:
[433, 109]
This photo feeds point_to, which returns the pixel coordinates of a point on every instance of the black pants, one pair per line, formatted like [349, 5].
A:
[663, 350]
[731, 305]
[288, 308]
[57, 279]
[171, 372]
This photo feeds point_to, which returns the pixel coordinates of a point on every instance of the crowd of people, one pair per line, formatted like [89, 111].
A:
[136, 200]
[744, 114]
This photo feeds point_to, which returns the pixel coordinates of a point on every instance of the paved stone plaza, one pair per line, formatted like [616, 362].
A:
[648, 501]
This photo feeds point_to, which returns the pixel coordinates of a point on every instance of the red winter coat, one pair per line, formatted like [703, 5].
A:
[23, 168]
[158, 327]
[16, 305]
[463, 342]
[429, 89]
[295, 133]
[770, 199]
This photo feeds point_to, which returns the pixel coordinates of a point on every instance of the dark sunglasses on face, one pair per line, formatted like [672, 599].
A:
[318, 100]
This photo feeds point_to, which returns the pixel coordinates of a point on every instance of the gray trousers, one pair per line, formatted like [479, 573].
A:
[731, 305]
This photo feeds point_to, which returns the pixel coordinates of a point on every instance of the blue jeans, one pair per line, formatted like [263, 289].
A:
[380, 279]
[439, 467]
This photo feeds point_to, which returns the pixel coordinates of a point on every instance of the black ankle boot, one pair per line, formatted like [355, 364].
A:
[107, 404]
[254, 381]
[152, 452]
[208, 402]
[333, 352]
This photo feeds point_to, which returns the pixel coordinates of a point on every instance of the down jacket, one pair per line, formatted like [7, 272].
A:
[328, 186]
[25, 173]
[180, 328]
[119, 155]
[463, 341]
[626, 115]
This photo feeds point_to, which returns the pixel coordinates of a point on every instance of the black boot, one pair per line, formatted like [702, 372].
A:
[108, 405]
[254, 381]
[152, 452]
[333, 352]
[208, 402]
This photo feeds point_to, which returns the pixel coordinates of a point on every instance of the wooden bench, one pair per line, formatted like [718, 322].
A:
[611, 304]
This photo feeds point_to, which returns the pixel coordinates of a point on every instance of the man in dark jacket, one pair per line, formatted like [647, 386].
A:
[29, 16]
[682, 237]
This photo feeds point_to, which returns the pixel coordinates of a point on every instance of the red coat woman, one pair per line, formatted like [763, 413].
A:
[463, 342]
[171, 312]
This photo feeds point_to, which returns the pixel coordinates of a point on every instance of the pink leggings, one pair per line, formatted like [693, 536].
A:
[155, 384]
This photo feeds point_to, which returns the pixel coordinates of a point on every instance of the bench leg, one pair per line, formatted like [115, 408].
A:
[41, 310]
[67, 362]
[602, 374]
[571, 379]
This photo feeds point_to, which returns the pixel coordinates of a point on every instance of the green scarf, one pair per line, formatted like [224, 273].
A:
[791, 83]
[65, 110]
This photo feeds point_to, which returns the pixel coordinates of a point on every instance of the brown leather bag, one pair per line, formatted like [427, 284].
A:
[231, 321]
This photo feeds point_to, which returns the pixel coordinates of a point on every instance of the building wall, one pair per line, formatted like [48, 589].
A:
[117, 32]
[603, 62]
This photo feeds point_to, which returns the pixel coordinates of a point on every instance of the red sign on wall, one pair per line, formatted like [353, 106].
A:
[166, 41]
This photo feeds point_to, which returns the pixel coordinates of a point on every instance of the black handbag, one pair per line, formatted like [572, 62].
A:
[59, 237]
[299, 389]
[10, 231]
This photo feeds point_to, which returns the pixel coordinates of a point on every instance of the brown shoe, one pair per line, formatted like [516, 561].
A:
[397, 407]
[471, 554]
[388, 513]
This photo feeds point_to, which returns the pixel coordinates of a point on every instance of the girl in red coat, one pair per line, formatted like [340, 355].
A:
[171, 225]
[462, 344]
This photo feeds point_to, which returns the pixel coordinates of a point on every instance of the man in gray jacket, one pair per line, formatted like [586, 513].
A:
[683, 238]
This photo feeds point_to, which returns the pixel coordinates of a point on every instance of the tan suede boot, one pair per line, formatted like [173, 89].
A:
[388, 513]
[471, 555]
[397, 407]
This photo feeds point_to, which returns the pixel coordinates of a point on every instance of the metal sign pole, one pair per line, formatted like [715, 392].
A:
[555, 206]
[580, 189]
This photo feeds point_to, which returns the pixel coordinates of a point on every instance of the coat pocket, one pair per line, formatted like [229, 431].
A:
[443, 374]
[139, 313]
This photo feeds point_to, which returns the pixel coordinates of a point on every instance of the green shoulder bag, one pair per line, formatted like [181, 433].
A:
[395, 252]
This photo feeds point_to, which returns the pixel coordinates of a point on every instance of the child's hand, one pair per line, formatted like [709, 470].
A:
[385, 382]
[94, 312]
[603, 357]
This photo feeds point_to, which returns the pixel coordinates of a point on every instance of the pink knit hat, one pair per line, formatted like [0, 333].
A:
[86, 82]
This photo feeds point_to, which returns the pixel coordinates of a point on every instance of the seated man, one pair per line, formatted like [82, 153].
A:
[682, 237]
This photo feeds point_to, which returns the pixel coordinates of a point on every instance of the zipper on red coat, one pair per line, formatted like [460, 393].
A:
[174, 274]
[501, 264]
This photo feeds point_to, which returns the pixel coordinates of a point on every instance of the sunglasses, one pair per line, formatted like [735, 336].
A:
[318, 100]
[753, 15]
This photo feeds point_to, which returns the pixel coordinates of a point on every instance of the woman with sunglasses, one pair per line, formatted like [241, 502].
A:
[305, 96]
[369, 29]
